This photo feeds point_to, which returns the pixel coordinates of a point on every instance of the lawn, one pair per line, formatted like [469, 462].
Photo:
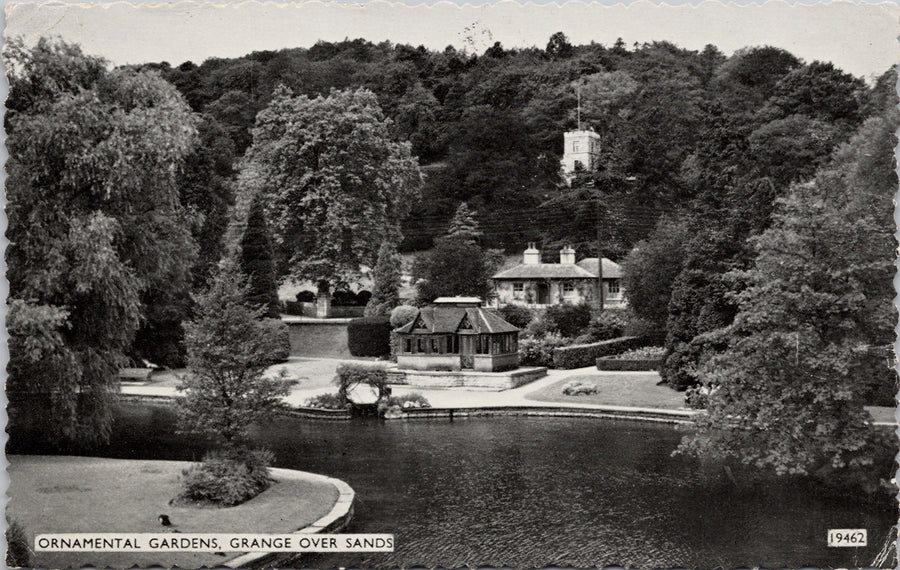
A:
[87, 494]
[632, 389]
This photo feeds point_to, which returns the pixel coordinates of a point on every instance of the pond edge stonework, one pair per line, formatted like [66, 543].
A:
[337, 519]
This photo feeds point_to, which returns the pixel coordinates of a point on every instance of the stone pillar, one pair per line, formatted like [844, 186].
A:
[323, 305]
[323, 300]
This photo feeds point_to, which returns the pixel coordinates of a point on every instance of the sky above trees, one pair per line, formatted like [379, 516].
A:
[859, 38]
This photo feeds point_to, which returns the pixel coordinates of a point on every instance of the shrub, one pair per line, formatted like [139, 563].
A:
[516, 315]
[282, 332]
[607, 325]
[539, 327]
[227, 478]
[326, 402]
[679, 369]
[18, 547]
[411, 400]
[395, 404]
[349, 375]
[568, 320]
[369, 336]
[362, 297]
[402, 314]
[697, 397]
[292, 308]
[306, 297]
[538, 351]
[578, 388]
[344, 298]
[581, 355]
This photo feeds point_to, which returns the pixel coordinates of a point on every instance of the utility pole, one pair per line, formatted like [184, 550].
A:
[578, 91]
[599, 257]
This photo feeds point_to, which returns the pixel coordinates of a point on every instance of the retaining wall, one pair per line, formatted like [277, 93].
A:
[337, 519]
[607, 412]
[466, 378]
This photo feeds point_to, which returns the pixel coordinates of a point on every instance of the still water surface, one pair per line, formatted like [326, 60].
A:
[534, 492]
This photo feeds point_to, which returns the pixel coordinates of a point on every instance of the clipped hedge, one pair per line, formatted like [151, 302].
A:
[369, 336]
[582, 355]
[636, 364]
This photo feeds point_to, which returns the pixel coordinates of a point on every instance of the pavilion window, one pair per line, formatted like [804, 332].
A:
[408, 345]
[420, 344]
[435, 345]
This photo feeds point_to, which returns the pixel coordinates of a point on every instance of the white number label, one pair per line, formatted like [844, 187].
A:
[847, 537]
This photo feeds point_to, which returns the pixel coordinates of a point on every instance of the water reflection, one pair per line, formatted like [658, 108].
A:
[533, 492]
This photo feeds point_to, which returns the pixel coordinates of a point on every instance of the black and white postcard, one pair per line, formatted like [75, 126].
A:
[386, 285]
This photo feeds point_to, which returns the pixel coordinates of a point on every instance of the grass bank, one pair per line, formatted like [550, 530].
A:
[634, 389]
[88, 494]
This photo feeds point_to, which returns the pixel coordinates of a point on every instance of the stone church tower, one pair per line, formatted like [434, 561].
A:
[581, 151]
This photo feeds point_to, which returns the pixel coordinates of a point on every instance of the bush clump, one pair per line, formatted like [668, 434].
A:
[326, 402]
[306, 297]
[516, 315]
[578, 388]
[347, 298]
[607, 325]
[568, 320]
[227, 478]
[411, 400]
[697, 397]
[538, 351]
[402, 315]
[369, 336]
[392, 406]
[18, 547]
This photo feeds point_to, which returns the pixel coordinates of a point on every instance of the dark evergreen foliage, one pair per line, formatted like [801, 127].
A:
[369, 336]
[257, 262]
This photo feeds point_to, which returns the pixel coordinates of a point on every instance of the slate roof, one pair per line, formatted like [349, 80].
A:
[445, 319]
[545, 271]
[611, 269]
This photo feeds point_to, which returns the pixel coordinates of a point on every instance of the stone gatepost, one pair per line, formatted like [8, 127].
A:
[323, 305]
[323, 301]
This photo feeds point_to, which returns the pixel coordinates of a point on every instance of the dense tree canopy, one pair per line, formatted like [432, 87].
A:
[96, 228]
[334, 183]
[789, 388]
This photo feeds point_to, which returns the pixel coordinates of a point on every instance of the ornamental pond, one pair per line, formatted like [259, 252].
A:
[534, 492]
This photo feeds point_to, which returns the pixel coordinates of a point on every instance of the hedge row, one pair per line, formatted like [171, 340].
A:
[607, 363]
[582, 355]
[369, 336]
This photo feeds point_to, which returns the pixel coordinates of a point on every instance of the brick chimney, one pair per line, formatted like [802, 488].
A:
[567, 255]
[532, 255]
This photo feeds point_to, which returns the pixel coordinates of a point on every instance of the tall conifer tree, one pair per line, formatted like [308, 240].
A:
[257, 263]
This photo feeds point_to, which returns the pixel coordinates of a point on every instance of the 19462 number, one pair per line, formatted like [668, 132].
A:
[847, 537]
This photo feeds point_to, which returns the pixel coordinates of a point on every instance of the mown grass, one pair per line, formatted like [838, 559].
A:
[86, 494]
[633, 389]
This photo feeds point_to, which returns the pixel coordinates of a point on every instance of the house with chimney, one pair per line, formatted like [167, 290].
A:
[536, 284]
